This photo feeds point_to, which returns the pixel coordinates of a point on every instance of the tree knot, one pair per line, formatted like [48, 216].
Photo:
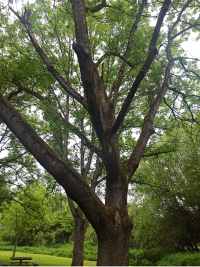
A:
[80, 50]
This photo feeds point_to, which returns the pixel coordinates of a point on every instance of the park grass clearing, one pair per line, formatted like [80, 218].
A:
[43, 260]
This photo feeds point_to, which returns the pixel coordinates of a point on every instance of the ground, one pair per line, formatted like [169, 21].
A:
[43, 260]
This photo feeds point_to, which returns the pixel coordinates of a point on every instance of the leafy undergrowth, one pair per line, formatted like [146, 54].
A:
[4, 243]
[181, 259]
[157, 257]
[149, 257]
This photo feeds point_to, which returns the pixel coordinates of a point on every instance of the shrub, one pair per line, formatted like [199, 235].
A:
[144, 257]
[181, 259]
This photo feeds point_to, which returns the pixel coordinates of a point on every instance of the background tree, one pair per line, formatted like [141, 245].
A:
[108, 103]
[168, 208]
[25, 212]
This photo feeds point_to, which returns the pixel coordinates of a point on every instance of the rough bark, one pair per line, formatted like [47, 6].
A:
[81, 225]
[113, 241]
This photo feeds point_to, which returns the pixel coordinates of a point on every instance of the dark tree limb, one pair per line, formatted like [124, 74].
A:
[151, 55]
[186, 29]
[101, 180]
[121, 71]
[157, 153]
[181, 93]
[147, 129]
[87, 167]
[97, 8]
[5, 162]
[65, 85]
[172, 110]
[57, 116]
[98, 169]
[108, 54]
[186, 70]
[143, 183]
[75, 186]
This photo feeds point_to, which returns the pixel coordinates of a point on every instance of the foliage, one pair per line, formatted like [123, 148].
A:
[24, 214]
[180, 259]
[149, 257]
[91, 237]
[56, 224]
[167, 214]
[60, 228]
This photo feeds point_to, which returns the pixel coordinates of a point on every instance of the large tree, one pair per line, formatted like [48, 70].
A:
[124, 95]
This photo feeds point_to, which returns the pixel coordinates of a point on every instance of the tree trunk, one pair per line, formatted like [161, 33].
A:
[16, 240]
[81, 225]
[113, 242]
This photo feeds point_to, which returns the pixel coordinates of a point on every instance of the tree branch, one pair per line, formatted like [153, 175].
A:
[172, 110]
[151, 55]
[75, 186]
[147, 128]
[72, 207]
[178, 19]
[117, 55]
[65, 85]
[97, 8]
[121, 71]
[186, 70]
[186, 29]
[5, 162]
[181, 93]
[158, 153]
[87, 167]
[57, 116]
[101, 180]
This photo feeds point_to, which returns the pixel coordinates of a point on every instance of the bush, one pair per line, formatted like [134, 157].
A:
[5, 243]
[144, 257]
[181, 259]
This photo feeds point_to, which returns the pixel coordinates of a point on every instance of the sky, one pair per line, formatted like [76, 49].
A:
[192, 47]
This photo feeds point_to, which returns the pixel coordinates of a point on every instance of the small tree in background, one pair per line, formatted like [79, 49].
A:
[26, 212]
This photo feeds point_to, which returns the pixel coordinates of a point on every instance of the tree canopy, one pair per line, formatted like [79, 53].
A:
[100, 73]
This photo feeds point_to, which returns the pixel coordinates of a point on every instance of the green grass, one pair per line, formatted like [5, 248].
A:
[43, 260]
[90, 253]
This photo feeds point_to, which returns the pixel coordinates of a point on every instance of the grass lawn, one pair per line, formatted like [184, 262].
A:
[43, 260]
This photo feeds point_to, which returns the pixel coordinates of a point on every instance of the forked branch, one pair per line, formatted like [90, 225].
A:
[151, 55]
